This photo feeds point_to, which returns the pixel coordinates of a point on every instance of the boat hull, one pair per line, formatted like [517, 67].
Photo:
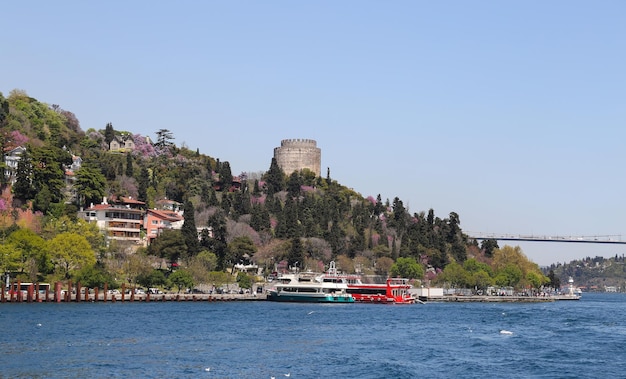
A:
[308, 298]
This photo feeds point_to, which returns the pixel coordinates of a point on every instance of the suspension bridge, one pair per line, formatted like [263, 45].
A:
[602, 239]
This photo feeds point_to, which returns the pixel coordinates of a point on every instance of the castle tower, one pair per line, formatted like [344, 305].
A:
[297, 154]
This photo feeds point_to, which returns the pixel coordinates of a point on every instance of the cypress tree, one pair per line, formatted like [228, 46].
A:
[109, 134]
[189, 231]
[142, 185]
[275, 178]
[129, 165]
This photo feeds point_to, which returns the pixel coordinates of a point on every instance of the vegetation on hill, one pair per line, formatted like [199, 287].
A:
[593, 274]
[270, 219]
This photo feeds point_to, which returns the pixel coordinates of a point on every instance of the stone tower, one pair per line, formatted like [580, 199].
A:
[297, 154]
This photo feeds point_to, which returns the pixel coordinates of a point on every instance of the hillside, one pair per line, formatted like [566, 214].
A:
[275, 220]
[594, 274]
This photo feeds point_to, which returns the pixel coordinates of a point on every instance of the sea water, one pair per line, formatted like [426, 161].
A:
[563, 339]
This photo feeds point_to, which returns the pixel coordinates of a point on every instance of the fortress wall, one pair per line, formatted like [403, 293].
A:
[297, 154]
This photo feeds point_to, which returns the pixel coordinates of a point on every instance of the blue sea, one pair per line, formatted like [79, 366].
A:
[564, 339]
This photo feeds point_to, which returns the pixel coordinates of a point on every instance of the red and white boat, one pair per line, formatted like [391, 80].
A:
[394, 291]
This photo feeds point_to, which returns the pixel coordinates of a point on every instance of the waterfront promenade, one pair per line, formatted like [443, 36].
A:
[34, 294]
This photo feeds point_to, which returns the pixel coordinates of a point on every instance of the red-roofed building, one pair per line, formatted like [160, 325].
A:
[121, 221]
[157, 220]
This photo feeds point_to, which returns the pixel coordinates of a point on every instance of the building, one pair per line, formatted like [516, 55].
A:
[123, 142]
[155, 221]
[11, 159]
[122, 220]
[298, 154]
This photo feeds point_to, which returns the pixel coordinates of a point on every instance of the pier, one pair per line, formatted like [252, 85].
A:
[33, 293]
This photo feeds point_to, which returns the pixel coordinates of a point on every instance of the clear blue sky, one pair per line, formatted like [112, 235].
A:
[511, 114]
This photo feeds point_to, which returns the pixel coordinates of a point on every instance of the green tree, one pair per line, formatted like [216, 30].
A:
[244, 280]
[294, 184]
[181, 279]
[296, 253]
[553, 280]
[169, 245]
[48, 171]
[142, 185]
[226, 176]
[189, 230]
[154, 278]
[90, 231]
[219, 278]
[241, 249]
[164, 139]
[455, 275]
[10, 258]
[200, 266]
[509, 276]
[95, 276]
[109, 134]
[274, 178]
[129, 165]
[488, 246]
[90, 185]
[23, 188]
[217, 243]
[70, 252]
[407, 268]
[30, 248]
[535, 280]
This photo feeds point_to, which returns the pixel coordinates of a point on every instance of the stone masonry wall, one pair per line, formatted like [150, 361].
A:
[297, 154]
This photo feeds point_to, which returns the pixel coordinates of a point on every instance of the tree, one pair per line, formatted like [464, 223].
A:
[10, 258]
[90, 185]
[509, 276]
[142, 185]
[488, 246]
[109, 134]
[95, 276]
[200, 266]
[244, 280]
[189, 230]
[219, 278]
[274, 178]
[554, 281]
[48, 171]
[226, 176]
[217, 243]
[23, 188]
[454, 274]
[129, 165]
[407, 268]
[181, 279]
[70, 252]
[164, 140]
[296, 253]
[30, 250]
[241, 249]
[383, 265]
[90, 231]
[294, 184]
[154, 278]
[169, 245]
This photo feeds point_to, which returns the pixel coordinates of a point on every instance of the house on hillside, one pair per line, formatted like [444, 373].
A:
[11, 159]
[155, 221]
[169, 205]
[122, 142]
[121, 220]
[70, 179]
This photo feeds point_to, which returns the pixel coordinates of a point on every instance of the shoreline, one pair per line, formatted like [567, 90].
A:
[179, 297]
[498, 299]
